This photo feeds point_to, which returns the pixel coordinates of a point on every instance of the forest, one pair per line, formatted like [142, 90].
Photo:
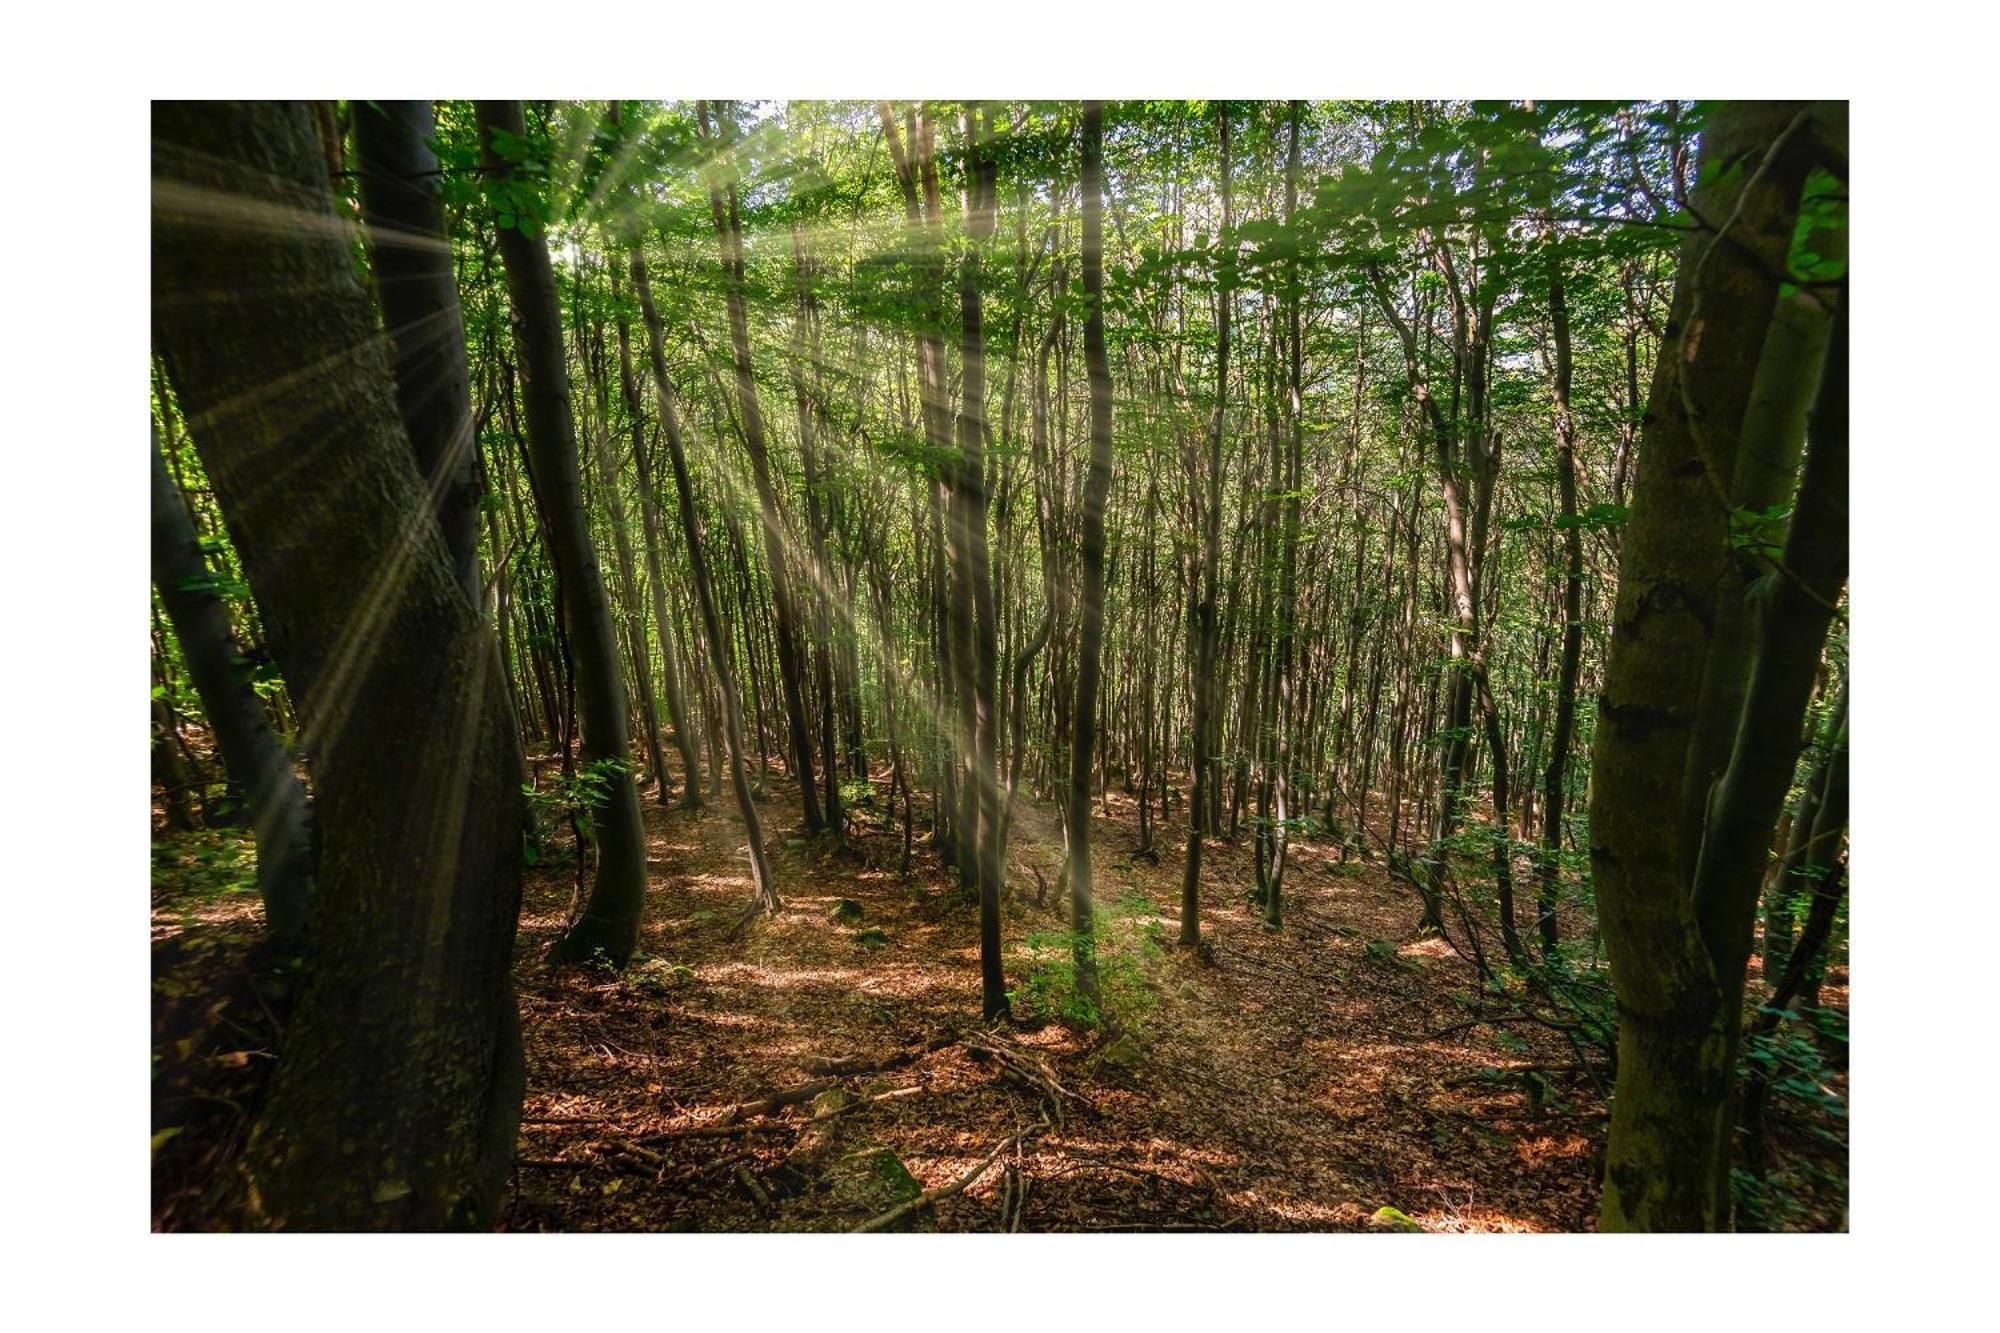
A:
[999, 666]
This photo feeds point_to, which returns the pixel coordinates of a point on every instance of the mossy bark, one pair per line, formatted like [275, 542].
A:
[1676, 964]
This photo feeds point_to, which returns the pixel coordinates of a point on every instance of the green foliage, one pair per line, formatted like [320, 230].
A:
[517, 198]
[1129, 939]
[205, 865]
[569, 798]
[657, 977]
[1796, 1070]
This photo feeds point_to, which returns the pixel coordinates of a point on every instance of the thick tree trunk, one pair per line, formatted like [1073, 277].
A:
[1667, 1157]
[610, 920]
[398, 1090]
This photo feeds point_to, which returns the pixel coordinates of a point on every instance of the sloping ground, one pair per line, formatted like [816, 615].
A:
[816, 1070]
[747, 1078]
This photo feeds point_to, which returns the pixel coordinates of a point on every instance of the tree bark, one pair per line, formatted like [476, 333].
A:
[418, 292]
[397, 1093]
[1667, 1156]
[1555, 779]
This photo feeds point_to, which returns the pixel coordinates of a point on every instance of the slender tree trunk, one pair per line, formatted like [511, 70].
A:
[1091, 552]
[1200, 796]
[981, 672]
[663, 624]
[1555, 778]
[722, 206]
[1288, 594]
[628, 578]
[713, 633]
[805, 351]
[610, 920]
[255, 758]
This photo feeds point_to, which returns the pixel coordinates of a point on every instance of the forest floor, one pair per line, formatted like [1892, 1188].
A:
[1302, 1080]
[815, 1069]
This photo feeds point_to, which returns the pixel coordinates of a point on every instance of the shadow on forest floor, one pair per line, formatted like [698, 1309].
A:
[1300, 1082]
[809, 1070]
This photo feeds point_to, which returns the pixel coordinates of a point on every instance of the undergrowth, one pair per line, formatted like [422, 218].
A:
[1129, 938]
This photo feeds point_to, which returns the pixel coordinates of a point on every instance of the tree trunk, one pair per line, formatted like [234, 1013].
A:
[1555, 779]
[1288, 594]
[729, 240]
[418, 291]
[1667, 1157]
[397, 1094]
[704, 587]
[255, 758]
[610, 920]
[981, 671]
[1201, 791]
[1097, 486]
[663, 625]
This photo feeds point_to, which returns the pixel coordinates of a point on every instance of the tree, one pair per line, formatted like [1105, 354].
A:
[711, 619]
[609, 924]
[418, 292]
[1203, 743]
[1676, 867]
[256, 759]
[663, 624]
[398, 1090]
[979, 665]
[723, 209]
[1083, 735]
[1555, 779]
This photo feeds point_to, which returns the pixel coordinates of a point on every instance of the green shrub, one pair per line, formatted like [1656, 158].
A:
[1130, 940]
[569, 798]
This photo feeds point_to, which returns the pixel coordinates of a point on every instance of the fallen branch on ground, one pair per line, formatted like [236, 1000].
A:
[908, 1206]
[867, 1064]
[726, 1127]
[1030, 1069]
